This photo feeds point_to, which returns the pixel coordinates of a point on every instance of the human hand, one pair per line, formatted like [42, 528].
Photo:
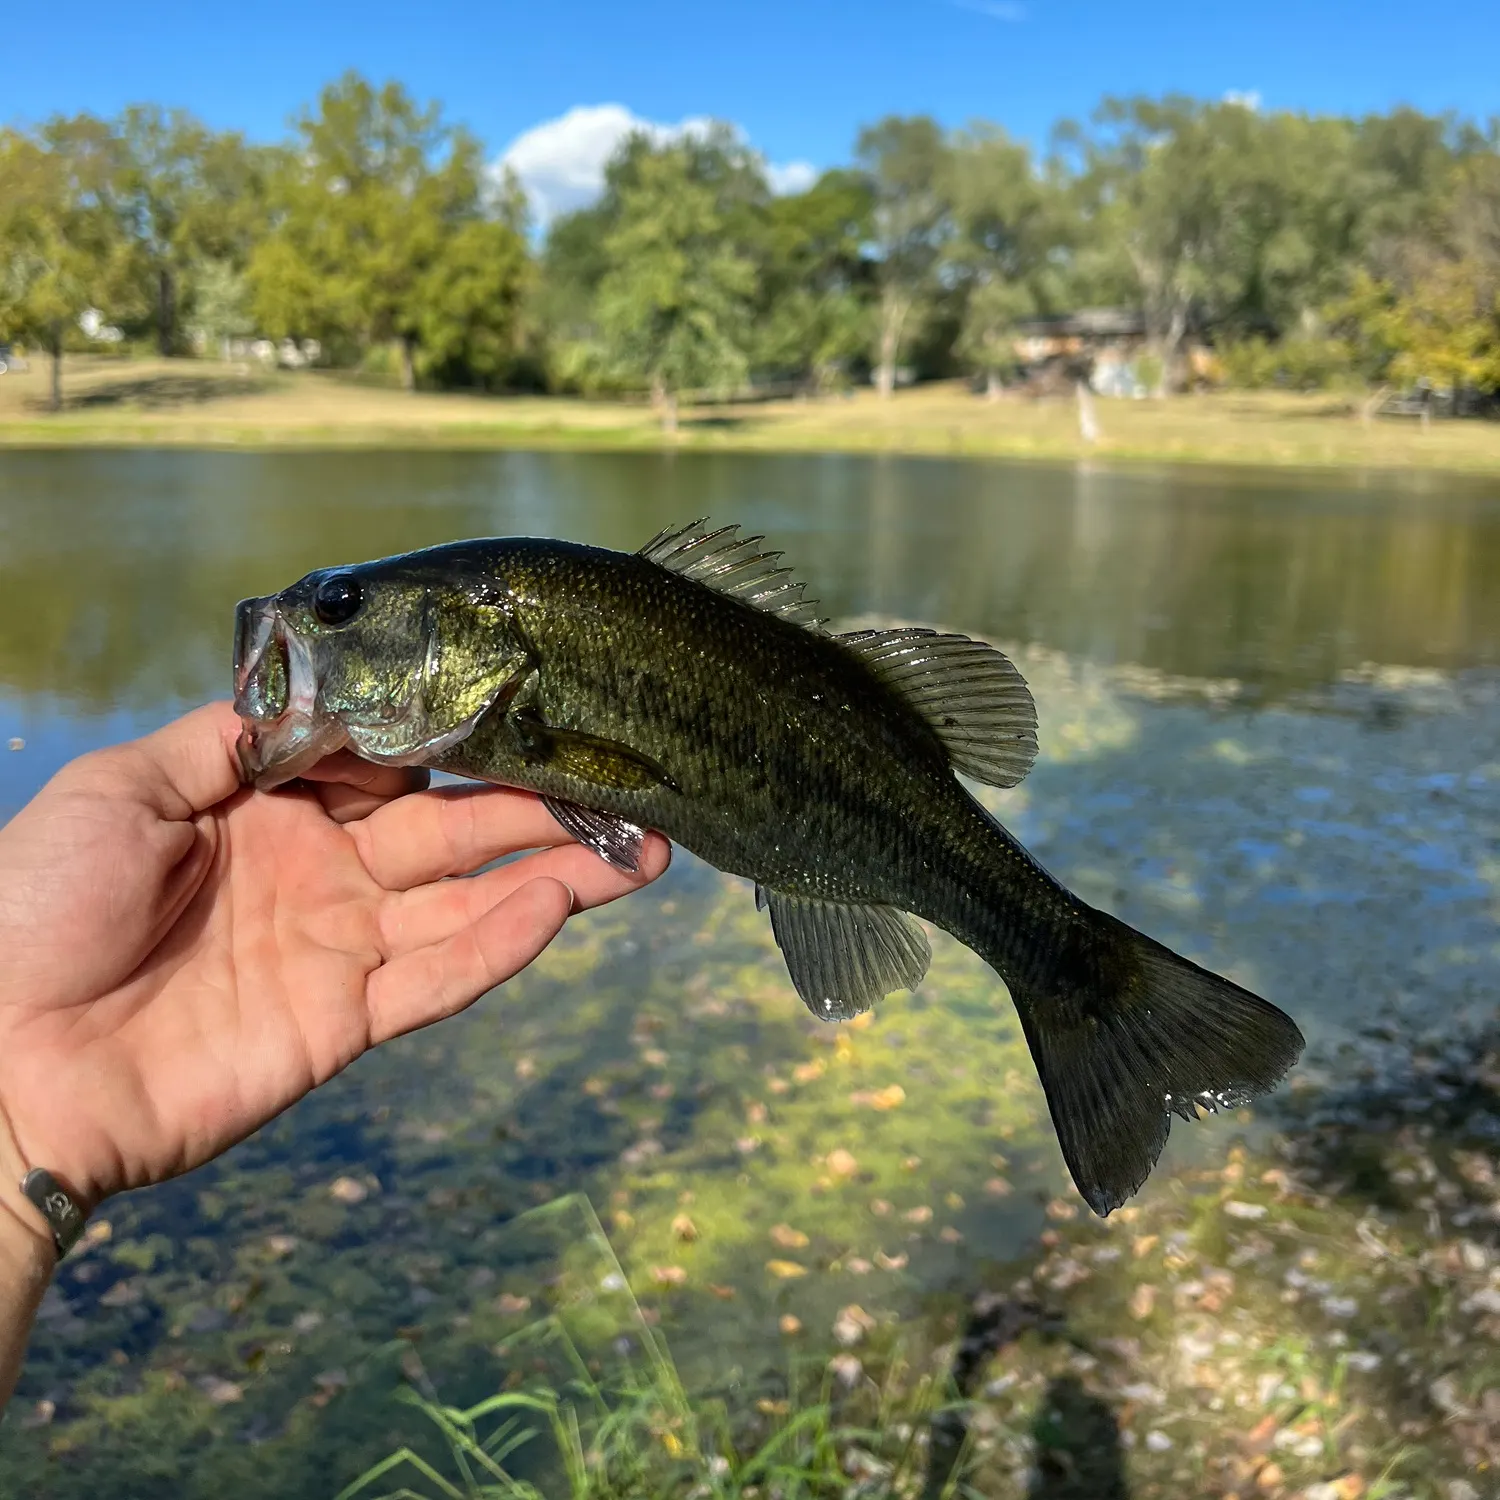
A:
[181, 958]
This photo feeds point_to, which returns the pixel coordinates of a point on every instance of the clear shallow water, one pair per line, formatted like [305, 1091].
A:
[1331, 842]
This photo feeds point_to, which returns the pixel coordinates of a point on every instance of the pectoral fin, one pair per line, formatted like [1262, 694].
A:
[600, 762]
[843, 959]
[615, 841]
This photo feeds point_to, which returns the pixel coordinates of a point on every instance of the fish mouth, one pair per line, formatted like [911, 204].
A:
[286, 727]
[276, 697]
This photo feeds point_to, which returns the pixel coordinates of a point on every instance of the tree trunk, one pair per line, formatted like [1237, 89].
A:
[669, 413]
[166, 312]
[991, 385]
[893, 311]
[55, 403]
[1170, 345]
[1088, 423]
[408, 363]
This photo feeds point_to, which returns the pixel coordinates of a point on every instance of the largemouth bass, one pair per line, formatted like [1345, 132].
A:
[693, 689]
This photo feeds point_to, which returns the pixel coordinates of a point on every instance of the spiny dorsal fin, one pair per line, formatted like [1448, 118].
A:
[723, 560]
[976, 701]
[843, 959]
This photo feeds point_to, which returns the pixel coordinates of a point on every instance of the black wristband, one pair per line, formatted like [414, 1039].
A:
[60, 1211]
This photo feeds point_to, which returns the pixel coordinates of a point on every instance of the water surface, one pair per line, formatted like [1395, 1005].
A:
[1270, 737]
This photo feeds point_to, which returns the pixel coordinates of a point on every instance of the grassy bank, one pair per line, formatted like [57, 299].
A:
[191, 403]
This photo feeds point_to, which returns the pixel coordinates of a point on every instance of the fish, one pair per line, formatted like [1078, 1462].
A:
[692, 687]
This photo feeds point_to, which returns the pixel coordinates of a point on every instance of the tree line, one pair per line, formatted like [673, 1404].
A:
[1306, 249]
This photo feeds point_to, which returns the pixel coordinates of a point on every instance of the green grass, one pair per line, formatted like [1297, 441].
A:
[202, 404]
[639, 1436]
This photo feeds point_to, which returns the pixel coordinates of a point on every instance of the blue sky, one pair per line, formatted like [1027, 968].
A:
[798, 76]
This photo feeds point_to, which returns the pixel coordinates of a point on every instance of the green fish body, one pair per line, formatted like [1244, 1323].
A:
[690, 688]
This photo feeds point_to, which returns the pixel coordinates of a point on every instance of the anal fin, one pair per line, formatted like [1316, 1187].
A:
[843, 958]
[615, 841]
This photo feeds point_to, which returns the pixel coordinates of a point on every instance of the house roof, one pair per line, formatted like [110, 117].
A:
[1088, 322]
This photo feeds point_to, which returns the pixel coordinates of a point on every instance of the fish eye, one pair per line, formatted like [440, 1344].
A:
[337, 599]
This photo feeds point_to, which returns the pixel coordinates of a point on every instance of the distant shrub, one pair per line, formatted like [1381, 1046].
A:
[1298, 364]
[1148, 370]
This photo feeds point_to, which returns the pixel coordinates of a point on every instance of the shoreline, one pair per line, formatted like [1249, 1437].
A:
[188, 403]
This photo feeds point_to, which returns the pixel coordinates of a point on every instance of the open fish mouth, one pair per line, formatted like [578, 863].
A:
[282, 732]
[286, 727]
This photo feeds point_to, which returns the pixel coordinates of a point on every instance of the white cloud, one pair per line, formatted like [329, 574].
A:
[791, 176]
[996, 10]
[561, 161]
[1245, 98]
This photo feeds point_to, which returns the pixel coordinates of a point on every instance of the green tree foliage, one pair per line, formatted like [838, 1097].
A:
[1435, 313]
[816, 283]
[471, 303]
[907, 160]
[1307, 249]
[378, 197]
[191, 203]
[1167, 180]
[1013, 234]
[674, 302]
[61, 252]
[221, 304]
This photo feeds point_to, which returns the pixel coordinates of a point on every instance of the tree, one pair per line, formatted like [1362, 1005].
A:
[221, 304]
[1161, 196]
[816, 282]
[907, 162]
[1404, 164]
[369, 206]
[1436, 315]
[60, 248]
[673, 305]
[159, 178]
[1011, 230]
[470, 303]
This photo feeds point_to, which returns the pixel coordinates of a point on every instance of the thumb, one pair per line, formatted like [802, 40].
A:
[187, 766]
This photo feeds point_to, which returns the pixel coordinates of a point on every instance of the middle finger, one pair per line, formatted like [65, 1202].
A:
[428, 914]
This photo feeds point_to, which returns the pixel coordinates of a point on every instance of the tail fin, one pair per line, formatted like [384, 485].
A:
[1124, 1032]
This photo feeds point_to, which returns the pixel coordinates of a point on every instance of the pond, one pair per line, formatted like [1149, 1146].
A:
[1270, 729]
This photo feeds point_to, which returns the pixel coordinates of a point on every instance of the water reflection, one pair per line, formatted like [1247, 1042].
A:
[118, 570]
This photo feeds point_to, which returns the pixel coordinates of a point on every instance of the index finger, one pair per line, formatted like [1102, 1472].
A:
[451, 831]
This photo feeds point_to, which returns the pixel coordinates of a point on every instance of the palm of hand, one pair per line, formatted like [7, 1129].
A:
[175, 977]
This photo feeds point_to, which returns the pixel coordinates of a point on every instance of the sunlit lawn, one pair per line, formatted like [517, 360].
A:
[203, 402]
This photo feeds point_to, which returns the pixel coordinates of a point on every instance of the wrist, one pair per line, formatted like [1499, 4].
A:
[20, 1219]
[28, 1256]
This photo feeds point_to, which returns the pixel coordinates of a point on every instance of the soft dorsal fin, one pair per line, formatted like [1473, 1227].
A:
[725, 561]
[976, 701]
